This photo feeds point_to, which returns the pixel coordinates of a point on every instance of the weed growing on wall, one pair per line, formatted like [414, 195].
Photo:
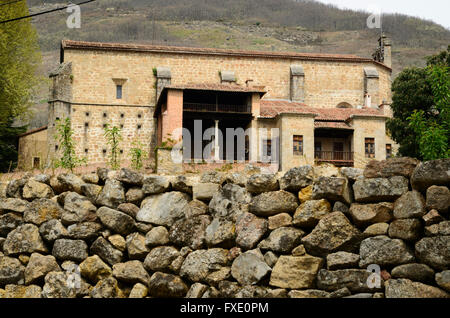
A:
[68, 159]
[113, 137]
[137, 154]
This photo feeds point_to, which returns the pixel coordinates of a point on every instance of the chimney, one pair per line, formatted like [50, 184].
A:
[367, 100]
[383, 54]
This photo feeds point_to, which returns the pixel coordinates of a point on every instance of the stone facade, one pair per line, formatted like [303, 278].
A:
[153, 82]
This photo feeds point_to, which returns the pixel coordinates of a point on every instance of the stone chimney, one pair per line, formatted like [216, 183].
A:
[383, 54]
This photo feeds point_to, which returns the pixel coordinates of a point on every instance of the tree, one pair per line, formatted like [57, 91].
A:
[19, 59]
[69, 160]
[414, 92]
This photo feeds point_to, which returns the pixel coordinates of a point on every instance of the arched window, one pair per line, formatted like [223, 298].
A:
[344, 105]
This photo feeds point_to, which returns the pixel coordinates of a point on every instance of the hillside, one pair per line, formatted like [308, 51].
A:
[273, 25]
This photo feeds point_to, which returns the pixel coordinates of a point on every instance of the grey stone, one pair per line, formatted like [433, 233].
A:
[342, 260]
[415, 272]
[334, 189]
[376, 229]
[190, 232]
[163, 209]
[116, 221]
[383, 251]
[379, 189]
[36, 190]
[130, 177]
[91, 191]
[199, 264]
[135, 196]
[406, 229]
[112, 194]
[230, 201]
[443, 280]
[160, 258]
[129, 208]
[434, 172]
[351, 173]
[404, 288]
[353, 279]
[11, 271]
[391, 167]
[39, 266]
[155, 185]
[24, 239]
[309, 213]
[434, 251]
[52, 230]
[250, 230]
[341, 207]
[167, 285]
[78, 209]
[410, 205]
[196, 290]
[136, 246]
[72, 250]
[84, 231]
[131, 272]
[282, 240]
[333, 233]
[309, 293]
[157, 236]
[106, 251]
[297, 178]
[438, 198]
[220, 232]
[91, 178]
[9, 222]
[249, 269]
[57, 285]
[204, 191]
[259, 183]
[367, 214]
[272, 203]
[13, 205]
[270, 258]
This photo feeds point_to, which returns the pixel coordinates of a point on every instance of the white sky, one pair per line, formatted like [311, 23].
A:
[435, 10]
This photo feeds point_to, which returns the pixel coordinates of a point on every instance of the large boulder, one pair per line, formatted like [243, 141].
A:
[367, 214]
[116, 221]
[351, 173]
[333, 189]
[155, 184]
[259, 183]
[297, 178]
[112, 194]
[309, 213]
[356, 280]
[380, 189]
[189, 232]
[131, 272]
[405, 288]
[163, 285]
[229, 202]
[15, 187]
[409, 205]
[250, 230]
[42, 210]
[438, 198]
[24, 239]
[249, 268]
[77, 209]
[391, 167]
[70, 250]
[130, 177]
[106, 251]
[415, 272]
[38, 266]
[434, 251]
[11, 271]
[295, 272]
[91, 191]
[199, 264]
[384, 251]
[282, 240]
[163, 209]
[333, 233]
[427, 174]
[272, 203]
[36, 190]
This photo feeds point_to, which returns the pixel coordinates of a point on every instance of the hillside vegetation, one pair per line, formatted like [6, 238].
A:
[274, 25]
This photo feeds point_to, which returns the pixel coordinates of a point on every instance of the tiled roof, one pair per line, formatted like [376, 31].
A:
[219, 87]
[272, 108]
[32, 131]
[332, 124]
[69, 44]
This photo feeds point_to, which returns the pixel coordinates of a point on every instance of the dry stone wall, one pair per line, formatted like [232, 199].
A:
[311, 232]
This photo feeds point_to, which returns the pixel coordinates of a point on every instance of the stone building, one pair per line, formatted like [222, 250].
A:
[315, 107]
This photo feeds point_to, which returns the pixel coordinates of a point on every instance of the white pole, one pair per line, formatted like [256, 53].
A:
[216, 141]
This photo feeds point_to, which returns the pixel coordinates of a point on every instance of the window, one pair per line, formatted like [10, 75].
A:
[370, 147]
[318, 150]
[267, 148]
[298, 145]
[119, 91]
[36, 162]
[388, 151]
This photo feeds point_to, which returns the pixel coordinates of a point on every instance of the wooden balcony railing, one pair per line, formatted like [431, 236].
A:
[335, 157]
[220, 108]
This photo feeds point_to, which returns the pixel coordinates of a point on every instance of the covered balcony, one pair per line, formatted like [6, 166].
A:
[333, 144]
